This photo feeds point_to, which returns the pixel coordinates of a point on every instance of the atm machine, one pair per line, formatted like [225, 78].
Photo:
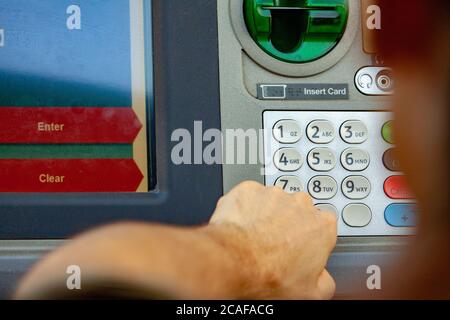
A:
[93, 95]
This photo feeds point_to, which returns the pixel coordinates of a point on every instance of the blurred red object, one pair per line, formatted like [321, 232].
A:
[409, 27]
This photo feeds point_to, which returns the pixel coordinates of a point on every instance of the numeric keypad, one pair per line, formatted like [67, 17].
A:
[346, 161]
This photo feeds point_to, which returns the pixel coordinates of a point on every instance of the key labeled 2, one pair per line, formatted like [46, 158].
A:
[320, 132]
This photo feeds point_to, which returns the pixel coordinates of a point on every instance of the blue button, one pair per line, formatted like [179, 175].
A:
[401, 215]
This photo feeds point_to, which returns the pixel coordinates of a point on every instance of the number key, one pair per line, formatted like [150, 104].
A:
[290, 184]
[322, 187]
[322, 159]
[356, 187]
[354, 159]
[354, 132]
[288, 160]
[287, 131]
[357, 215]
[327, 208]
[320, 131]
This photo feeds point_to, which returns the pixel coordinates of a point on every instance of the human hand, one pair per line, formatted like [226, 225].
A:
[281, 240]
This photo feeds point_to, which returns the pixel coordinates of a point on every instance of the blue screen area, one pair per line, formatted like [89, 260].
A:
[53, 53]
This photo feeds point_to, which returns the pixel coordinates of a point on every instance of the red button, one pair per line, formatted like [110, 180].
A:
[90, 175]
[397, 188]
[68, 125]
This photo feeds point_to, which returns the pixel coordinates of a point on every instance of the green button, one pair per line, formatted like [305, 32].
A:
[387, 132]
[296, 31]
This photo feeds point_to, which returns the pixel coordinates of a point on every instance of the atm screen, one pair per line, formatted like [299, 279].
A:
[75, 96]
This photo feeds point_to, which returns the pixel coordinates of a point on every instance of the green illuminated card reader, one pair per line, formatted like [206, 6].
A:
[296, 31]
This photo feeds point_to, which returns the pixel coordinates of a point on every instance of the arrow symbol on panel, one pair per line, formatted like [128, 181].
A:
[77, 175]
[58, 125]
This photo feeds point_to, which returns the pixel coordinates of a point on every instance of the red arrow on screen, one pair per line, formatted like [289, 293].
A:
[54, 125]
[79, 175]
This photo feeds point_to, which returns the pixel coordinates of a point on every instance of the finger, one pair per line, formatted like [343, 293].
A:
[326, 286]
[224, 208]
[321, 289]
[220, 202]
[330, 218]
[328, 236]
[304, 199]
[248, 186]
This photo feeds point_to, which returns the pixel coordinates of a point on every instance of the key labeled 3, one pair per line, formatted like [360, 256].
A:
[354, 132]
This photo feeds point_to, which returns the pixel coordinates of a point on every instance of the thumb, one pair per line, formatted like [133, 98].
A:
[326, 286]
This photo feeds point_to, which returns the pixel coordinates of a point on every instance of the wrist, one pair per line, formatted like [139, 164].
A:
[249, 281]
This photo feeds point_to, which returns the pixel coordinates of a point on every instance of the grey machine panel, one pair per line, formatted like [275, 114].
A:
[244, 68]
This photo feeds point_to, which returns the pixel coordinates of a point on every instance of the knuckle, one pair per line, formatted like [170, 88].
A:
[277, 196]
[304, 198]
[276, 191]
[118, 227]
[220, 201]
[330, 290]
[326, 287]
[329, 219]
[331, 227]
[250, 185]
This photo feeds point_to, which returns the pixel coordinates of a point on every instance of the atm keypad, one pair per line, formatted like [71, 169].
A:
[346, 161]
